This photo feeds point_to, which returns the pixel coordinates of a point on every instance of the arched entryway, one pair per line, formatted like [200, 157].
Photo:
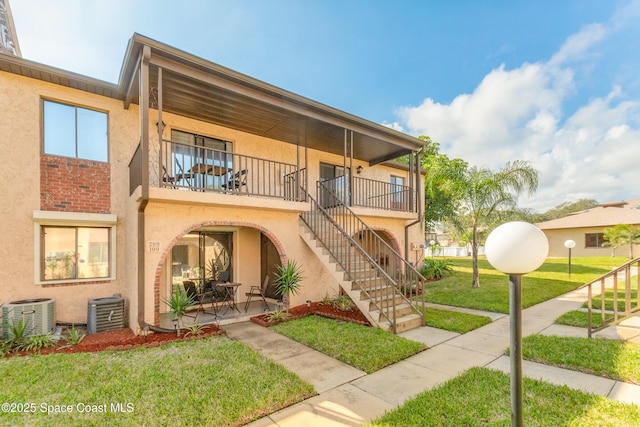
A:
[240, 252]
[381, 252]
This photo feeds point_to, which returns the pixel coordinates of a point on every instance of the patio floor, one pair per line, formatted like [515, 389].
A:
[225, 315]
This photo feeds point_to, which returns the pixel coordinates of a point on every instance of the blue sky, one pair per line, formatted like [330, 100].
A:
[553, 82]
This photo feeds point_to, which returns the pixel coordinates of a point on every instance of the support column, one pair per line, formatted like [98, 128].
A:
[160, 130]
[144, 150]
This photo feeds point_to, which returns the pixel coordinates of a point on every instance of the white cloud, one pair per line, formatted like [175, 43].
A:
[519, 114]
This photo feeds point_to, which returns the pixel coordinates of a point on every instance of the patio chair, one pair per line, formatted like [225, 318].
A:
[192, 290]
[257, 291]
[180, 176]
[238, 180]
[211, 294]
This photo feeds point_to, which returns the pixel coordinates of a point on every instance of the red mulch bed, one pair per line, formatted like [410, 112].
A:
[327, 310]
[124, 339]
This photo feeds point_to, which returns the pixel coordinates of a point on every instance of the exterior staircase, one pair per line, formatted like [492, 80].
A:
[382, 288]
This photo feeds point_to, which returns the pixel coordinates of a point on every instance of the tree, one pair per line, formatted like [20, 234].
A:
[564, 209]
[484, 194]
[620, 235]
[441, 184]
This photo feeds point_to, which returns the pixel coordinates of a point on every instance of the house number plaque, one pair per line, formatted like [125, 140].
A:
[153, 246]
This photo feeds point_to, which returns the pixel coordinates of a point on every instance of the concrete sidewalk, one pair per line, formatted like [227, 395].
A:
[349, 397]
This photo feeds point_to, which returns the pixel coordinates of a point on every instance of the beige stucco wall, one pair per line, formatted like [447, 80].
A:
[166, 222]
[170, 213]
[558, 237]
[20, 127]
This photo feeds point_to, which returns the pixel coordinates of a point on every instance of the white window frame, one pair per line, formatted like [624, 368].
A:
[72, 219]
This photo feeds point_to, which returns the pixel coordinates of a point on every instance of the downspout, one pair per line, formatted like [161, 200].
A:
[144, 142]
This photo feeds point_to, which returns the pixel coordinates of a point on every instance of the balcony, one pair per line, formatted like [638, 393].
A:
[205, 170]
[373, 194]
[201, 169]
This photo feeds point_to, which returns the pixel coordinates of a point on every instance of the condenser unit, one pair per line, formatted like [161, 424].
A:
[105, 314]
[37, 315]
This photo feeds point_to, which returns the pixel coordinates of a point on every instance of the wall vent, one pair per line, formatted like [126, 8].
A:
[105, 314]
[38, 315]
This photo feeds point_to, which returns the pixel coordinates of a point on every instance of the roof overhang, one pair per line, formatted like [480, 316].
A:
[202, 90]
[196, 88]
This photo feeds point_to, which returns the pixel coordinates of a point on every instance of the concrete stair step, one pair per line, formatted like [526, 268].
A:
[385, 301]
[403, 323]
[402, 310]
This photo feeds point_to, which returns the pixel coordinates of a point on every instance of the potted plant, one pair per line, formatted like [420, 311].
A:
[288, 279]
[178, 304]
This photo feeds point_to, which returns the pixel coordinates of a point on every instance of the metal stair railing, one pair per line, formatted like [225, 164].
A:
[369, 261]
[616, 315]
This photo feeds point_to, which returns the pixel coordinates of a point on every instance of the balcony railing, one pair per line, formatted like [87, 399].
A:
[197, 168]
[374, 194]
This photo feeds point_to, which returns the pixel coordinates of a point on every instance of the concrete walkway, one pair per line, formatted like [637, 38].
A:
[350, 397]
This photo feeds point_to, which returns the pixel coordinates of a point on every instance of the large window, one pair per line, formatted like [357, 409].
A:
[594, 240]
[74, 247]
[191, 150]
[75, 252]
[72, 131]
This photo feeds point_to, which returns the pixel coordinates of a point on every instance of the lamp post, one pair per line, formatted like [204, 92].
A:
[516, 248]
[569, 244]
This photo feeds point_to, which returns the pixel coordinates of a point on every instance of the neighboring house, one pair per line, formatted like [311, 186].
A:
[183, 165]
[587, 227]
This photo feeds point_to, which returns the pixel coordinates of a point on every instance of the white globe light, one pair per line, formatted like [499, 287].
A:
[569, 244]
[516, 248]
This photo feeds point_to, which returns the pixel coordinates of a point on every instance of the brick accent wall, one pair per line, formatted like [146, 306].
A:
[74, 185]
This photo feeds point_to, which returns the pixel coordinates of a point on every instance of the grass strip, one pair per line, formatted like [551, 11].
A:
[580, 319]
[481, 397]
[454, 321]
[608, 358]
[368, 349]
[211, 381]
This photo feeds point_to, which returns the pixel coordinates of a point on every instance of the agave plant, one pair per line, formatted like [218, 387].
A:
[288, 279]
[178, 304]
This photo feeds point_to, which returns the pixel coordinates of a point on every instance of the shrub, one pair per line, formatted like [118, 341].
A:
[342, 302]
[436, 269]
[38, 342]
[75, 337]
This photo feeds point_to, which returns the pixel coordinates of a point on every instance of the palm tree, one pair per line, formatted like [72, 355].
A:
[484, 194]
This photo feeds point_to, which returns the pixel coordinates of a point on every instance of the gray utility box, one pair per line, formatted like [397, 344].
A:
[105, 314]
[37, 315]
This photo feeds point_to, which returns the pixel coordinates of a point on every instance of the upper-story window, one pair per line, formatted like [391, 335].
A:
[73, 131]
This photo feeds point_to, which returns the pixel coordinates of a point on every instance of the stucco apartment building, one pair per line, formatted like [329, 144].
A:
[586, 229]
[185, 169]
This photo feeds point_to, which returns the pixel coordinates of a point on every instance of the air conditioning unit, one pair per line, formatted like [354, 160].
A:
[105, 314]
[38, 315]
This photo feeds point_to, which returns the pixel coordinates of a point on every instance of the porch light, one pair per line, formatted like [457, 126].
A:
[359, 169]
[516, 248]
[569, 244]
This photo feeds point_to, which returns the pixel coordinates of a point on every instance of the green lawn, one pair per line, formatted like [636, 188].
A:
[211, 381]
[481, 397]
[607, 358]
[368, 349]
[549, 281]
[580, 318]
[454, 321]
